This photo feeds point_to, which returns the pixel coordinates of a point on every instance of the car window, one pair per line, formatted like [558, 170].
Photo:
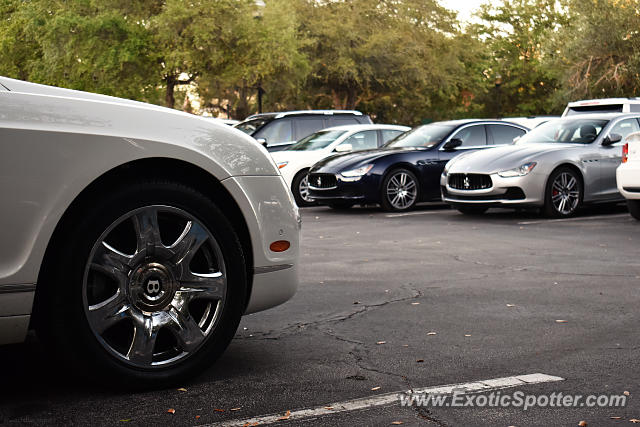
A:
[472, 136]
[577, 130]
[625, 128]
[277, 131]
[594, 109]
[364, 140]
[504, 134]
[634, 108]
[251, 126]
[307, 126]
[389, 134]
[317, 141]
[342, 120]
[422, 136]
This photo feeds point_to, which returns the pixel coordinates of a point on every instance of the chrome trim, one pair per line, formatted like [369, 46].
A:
[311, 187]
[271, 268]
[10, 289]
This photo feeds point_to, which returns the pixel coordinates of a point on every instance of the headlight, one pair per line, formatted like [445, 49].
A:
[520, 171]
[356, 173]
[280, 165]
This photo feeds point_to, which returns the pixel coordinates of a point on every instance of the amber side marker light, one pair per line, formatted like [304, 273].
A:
[280, 246]
[625, 152]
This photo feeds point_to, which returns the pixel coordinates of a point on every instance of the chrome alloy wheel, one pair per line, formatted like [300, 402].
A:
[401, 190]
[154, 286]
[303, 189]
[565, 193]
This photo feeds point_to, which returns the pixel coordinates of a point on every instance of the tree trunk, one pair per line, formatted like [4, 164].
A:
[169, 99]
[352, 99]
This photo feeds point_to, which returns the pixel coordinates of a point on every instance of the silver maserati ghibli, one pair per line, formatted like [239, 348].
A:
[558, 167]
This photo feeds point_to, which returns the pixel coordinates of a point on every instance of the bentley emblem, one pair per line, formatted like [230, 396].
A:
[319, 181]
[153, 286]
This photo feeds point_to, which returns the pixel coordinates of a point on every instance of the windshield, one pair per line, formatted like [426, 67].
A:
[574, 131]
[317, 141]
[422, 136]
[251, 126]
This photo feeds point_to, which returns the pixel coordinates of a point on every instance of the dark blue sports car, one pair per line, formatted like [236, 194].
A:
[406, 170]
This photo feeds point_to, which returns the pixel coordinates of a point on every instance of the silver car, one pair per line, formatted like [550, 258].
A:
[558, 166]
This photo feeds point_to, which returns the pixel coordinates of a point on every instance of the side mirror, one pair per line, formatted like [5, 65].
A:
[262, 141]
[343, 148]
[611, 139]
[452, 144]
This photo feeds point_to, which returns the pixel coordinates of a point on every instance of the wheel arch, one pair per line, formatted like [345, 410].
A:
[571, 166]
[149, 168]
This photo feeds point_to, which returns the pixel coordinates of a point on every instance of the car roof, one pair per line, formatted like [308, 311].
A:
[367, 127]
[461, 122]
[600, 116]
[603, 101]
[275, 115]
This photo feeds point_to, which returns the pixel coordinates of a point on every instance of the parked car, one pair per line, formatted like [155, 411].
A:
[407, 169]
[142, 233]
[295, 161]
[628, 174]
[530, 122]
[605, 105]
[557, 166]
[277, 131]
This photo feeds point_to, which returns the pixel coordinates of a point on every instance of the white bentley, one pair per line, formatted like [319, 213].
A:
[134, 237]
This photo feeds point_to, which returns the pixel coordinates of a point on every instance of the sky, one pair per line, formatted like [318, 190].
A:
[464, 7]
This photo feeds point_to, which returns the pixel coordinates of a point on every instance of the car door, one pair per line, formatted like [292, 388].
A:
[611, 156]
[473, 137]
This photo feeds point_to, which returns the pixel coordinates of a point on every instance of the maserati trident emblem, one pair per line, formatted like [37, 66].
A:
[153, 286]
[319, 181]
[466, 182]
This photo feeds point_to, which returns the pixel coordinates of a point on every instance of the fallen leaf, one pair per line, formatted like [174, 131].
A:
[415, 303]
[511, 305]
[235, 409]
[397, 423]
[197, 417]
[616, 418]
[626, 393]
[431, 333]
[420, 360]
[381, 342]
[634, 420]
[561, 321]
[328, 408]
[182, 389]
[219, 410]
[467, 335]
[405, 345]
[356, 302]
[582, 423]
[376, 388]
[171, 411]
[125, 421]
[286, 416]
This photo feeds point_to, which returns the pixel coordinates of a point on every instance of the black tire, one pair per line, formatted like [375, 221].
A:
[298, 181]
[62, 295]
[556, 190]
[341, 206]
[409, 184]
[634, 208]
[472, 210]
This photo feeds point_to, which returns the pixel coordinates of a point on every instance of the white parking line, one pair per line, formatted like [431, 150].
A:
[579, 218]
[391, 398]
[417, 213]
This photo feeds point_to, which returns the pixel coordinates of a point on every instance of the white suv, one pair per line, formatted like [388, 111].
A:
[605, 105]
[628, 174]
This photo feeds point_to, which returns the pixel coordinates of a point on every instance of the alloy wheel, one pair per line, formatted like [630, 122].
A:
[565, 193]
[154, 286]
[303, 189]
[401, 190]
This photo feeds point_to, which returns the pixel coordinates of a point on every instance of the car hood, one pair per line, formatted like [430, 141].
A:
[344, 161]
[497, 159]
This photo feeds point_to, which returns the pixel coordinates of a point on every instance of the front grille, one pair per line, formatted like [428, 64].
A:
[469, 181]
[323, 181]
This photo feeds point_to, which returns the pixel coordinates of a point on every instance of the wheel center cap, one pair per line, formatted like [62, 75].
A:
[152, 287]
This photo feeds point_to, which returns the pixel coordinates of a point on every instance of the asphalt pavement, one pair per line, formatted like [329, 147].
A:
[396, 302]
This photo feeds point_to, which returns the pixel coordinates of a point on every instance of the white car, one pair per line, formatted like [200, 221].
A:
[294, 162]
[628, 174]
[134, 237]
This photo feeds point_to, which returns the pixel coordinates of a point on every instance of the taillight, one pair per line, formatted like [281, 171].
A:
[625, 152]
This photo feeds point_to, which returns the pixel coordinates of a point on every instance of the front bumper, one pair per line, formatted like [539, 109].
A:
[628, 180]
[360, 191]
[525, 190]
